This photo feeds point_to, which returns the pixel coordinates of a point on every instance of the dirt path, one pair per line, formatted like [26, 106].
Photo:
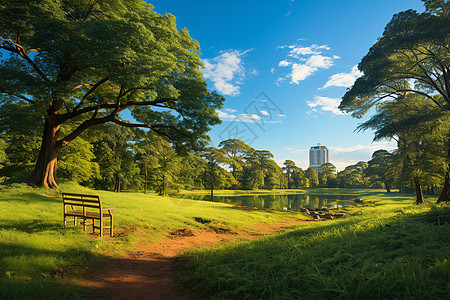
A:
[148, 272]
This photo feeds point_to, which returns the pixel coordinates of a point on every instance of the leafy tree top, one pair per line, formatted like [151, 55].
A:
[413, 55]
[95, 59]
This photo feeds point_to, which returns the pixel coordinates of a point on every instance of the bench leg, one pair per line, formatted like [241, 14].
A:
[111, 233]
[93, 225]
[101, 227]
[64, 221]
[75, 221]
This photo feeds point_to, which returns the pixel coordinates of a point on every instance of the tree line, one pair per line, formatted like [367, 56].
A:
[115, 158]
[70, 69]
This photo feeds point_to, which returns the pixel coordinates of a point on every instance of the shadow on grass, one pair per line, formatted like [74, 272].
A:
[31, 226]
[405, 257]
[32, 273]
[33, 197]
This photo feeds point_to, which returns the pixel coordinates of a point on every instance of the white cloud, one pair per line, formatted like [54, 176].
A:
[305, 61]
[230, 110]
[226, 71]
[225, 116]
[301, 72]
[284, 63]
[343, 157]
[370, 148]
[326, 104]
[246, 118]
[319, 61]
[297, 50]
[264, 113]
[344, 79]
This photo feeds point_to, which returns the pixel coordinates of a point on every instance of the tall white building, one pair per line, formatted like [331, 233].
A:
[318, 155]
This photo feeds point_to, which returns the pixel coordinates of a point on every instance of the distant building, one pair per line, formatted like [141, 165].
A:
[318, 155]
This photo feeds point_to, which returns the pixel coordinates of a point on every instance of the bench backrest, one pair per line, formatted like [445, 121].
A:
[80, 200]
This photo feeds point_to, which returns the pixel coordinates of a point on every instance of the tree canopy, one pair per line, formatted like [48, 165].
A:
[84, 62]
[412, 56]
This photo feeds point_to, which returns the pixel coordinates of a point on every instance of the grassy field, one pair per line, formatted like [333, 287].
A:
[385, 249]
[39, 259]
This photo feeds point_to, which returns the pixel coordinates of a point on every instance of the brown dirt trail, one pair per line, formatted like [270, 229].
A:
[148, 272]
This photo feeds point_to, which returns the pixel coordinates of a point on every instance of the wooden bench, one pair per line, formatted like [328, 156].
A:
[87, 207]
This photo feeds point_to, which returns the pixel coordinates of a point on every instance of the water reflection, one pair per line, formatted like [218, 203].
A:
[283, 202]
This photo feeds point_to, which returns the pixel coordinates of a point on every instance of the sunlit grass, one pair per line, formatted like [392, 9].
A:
[39, 259]
[391, 249]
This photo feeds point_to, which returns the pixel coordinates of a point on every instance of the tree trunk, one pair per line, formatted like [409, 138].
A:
[163, 186]
[419, 195]
[44, 173]
[445, 191]
[444, 196]
[145, 189]
[388, 188]
[212, 193]
[117, 185]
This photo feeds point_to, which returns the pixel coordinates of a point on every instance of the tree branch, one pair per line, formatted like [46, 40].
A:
[23, 53]
[134, 125]
[23, 98]
[94, 87]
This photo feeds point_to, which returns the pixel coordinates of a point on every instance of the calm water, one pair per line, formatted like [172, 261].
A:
[283, 202]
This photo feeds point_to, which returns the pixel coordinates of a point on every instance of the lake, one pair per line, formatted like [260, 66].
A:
[283, 202]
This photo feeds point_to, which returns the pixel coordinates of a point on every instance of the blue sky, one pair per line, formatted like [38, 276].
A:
[283, 67]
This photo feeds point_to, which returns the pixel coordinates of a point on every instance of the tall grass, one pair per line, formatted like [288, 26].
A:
[39, 259]
[393, 250]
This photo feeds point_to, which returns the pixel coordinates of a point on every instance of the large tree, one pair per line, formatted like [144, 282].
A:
[312, 176]
[114, 153]
[289, 167]
[412, 57]
[380, 167]
[236, 150]
[86, 62]
[215, 175]
[420, 138]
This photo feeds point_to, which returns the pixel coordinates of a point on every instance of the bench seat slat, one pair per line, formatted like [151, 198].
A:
[82, 205]
[75, 213]
[79, 195]
[81, 200]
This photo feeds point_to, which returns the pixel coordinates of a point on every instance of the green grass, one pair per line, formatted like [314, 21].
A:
[386, 248]
[389, 249]
[39, 259]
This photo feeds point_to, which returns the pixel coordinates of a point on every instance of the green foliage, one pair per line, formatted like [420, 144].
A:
[77, 60]
[380, 168]
[164, 163]
[214, 175]
[236, 150]
[3, 157]
[115, 157]
[406, 79]
[261, 171]
[76, 162]
[413, 47]
[192, 169]
[327, 175]
[299, 179]
[353, 176]
[289, 167]
[313, 177]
